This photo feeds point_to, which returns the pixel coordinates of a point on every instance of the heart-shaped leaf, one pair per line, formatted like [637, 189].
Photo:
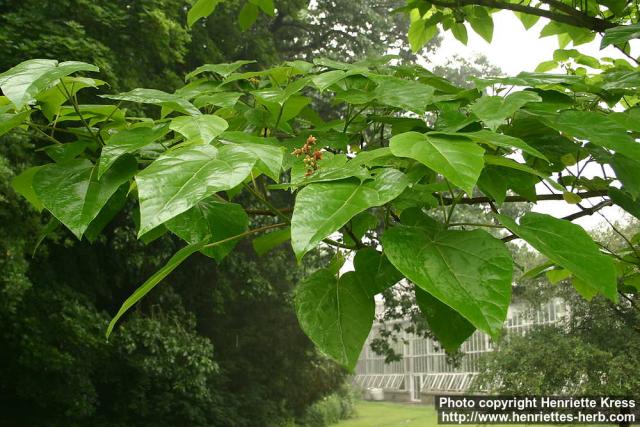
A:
[322, 208]
[470, 271]
[449, 327]
[179, 179]
[74, 195]
[336, 314]
[457, 159]
[22, 83]
[201, 129]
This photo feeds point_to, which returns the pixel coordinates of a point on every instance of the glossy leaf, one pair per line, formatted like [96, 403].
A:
[323, 208]
[406, 94]
[201, 9]
[157, 97]
[458, 160]
[500, 140]
[52, 99]
[336, 314]
[212, 220]
[9, 121]
[74, 195]
[620, 35]
[493, 110]
[201, 129]
[270, 157]
[177, 259]
[469, 271]
[179, 179]
[569, 246]
[223, 70]
[22, 83]
[596, 128]
[23, 185]
[127, 141]
[450, 328]
[374, 269]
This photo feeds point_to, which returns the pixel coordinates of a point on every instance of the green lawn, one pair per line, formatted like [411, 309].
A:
[385, 414]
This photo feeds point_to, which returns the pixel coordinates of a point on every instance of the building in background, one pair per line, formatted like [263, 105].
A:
[423, 370]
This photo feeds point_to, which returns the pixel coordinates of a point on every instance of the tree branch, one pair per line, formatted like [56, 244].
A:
[575, 18]
[512, 199]
[463, 201]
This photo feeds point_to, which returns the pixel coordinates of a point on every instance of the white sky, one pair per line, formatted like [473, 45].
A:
[513, 50]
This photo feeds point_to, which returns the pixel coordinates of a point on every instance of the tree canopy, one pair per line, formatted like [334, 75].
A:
[380, 181]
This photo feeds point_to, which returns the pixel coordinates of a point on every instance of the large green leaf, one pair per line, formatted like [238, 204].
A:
[223, 70]
[23, 185]
[596, 128]
[625, 201]
[8, 121]
[74, 195]
[270, 157]
[336, 314]
[329, 78]
[457, 159]
[323, 208]
[177, 259]
[470, 271]
[201, 129]
[421, 31]
[128, 141]
[157, 97]
[628, 173]
[179, 179]
[201, 9]
[620, 35]
[247, 16]
[265, 5]
[498, 139]
[481, 22]
[406, 94]
[22, 83]
[493, 110]
[569, 246]
[450, 328]
[220, 99]
[216, 219]
[52, 99]
[375, 271]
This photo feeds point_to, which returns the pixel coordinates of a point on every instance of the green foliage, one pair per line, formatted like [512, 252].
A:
[338, 406]
[353, 178]
[592, 354]
[571, 22]
[336, 313]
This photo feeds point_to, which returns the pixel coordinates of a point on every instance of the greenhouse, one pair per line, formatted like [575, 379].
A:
[424, 370]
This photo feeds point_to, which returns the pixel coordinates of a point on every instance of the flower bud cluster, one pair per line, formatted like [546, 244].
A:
[311, 155]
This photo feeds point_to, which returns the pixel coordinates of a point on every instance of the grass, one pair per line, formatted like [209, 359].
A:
[386, 414]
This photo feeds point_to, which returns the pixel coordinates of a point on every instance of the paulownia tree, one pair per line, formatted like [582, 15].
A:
[382, 182]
